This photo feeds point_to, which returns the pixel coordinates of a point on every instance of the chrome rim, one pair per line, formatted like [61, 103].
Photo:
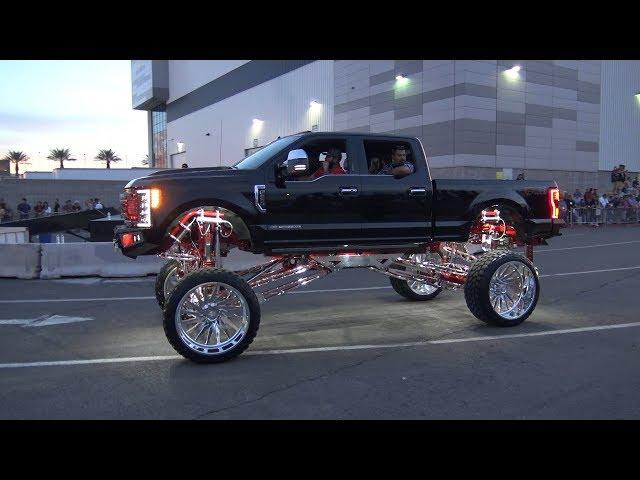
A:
[421, 288]
[170, 281]
[212, 318]
[512, 290]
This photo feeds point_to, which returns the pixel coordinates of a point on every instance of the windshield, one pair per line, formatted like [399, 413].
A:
[254, 160]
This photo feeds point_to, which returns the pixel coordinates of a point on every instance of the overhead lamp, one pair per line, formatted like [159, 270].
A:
[257, 122]
[401, 79]
[513, 73]
[638, 96]
[314, 104]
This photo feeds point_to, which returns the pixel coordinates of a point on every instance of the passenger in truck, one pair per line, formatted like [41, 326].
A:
[331, 164]
[399, 166]
[375, 165]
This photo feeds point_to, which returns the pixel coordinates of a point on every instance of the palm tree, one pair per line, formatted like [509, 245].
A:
[61, 155]
[107, 156]
[16, 158]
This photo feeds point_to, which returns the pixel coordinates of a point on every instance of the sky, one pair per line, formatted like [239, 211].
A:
[83, 105]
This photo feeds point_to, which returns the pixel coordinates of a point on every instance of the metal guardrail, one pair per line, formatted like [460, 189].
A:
[602, 215]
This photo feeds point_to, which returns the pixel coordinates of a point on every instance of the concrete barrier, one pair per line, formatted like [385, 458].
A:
[100, 259]
[20, 260]
[93, 259]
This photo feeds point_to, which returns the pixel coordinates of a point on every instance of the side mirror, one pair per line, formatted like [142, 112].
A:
[297, 162]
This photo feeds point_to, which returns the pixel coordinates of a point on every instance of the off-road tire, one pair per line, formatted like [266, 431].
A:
[476, 287]
[164, 272]
[194, 279]
[402, 287]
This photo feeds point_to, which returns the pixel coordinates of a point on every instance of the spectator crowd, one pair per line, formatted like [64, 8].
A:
[621, 205]
[24, 210]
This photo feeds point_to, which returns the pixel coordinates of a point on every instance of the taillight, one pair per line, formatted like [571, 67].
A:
[554, 202]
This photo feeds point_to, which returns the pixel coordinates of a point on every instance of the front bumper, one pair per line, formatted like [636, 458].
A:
[131, 242]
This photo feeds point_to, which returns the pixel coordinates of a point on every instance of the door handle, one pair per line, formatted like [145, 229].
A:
[348, 190]
[417, 191]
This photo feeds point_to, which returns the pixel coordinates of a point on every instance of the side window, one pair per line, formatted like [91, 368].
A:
[326, 157]
[385, 157]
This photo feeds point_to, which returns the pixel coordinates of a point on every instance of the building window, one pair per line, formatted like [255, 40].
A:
[159, 132]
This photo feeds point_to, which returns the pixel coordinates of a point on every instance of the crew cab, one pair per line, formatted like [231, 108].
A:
[316, 203]
[277, 207]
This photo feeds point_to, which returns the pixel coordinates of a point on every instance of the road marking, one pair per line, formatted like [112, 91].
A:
[130, 280]
[537, 334]
[586, 246]
[52, 300]
[44, 320]
[77, 281]
[590, 271]
[89, 362]
[327, 349]
[343, 289]
[383, 287]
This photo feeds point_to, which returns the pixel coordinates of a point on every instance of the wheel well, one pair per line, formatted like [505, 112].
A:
[510, 212]
[240, 227]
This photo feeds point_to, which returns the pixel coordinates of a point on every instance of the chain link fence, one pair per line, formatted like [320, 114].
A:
[602, 215]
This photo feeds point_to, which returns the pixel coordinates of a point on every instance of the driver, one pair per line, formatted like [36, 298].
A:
[331, 164]
[399, 166]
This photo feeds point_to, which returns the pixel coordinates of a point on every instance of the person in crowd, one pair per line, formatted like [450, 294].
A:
[520, 176]
[331, 164]
[56, 207]
[24, 208]
[89, 204]
[614, 178]
[8, 213]
[184, 165]
[76, 206]
[3, 211]
[577, 195]
[635, 184]
[68, 207]
[604, 201]
[620, 177]
[46, 209]
[98, 204]
[37, 210]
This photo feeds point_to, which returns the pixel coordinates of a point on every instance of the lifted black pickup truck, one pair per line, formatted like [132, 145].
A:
[377, 207]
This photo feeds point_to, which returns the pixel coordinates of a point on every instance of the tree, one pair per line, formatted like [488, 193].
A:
[16, 158]
[107, 156]
[61, 155]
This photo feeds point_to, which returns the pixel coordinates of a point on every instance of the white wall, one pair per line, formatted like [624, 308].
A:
[187, 75]
[620, 115]
[282, 104]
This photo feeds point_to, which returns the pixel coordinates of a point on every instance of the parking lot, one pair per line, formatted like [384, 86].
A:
[344, 347]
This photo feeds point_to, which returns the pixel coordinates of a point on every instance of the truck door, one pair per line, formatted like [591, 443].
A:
[315, 209]
[396, 209]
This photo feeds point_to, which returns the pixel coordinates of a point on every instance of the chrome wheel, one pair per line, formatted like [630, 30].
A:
[512, 290]
[422, 288]
[170, 281]
[212, 318]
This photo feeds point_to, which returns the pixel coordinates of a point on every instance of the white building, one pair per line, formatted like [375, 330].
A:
[571, 120]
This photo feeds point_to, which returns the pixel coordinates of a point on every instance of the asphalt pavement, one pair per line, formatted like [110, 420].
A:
[343, 347]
